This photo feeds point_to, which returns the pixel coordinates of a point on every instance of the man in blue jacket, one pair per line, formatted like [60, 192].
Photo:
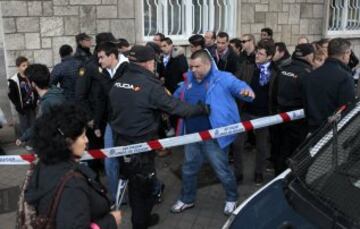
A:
[217, 89]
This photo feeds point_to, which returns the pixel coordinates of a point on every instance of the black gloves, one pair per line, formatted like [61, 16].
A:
[204, 107]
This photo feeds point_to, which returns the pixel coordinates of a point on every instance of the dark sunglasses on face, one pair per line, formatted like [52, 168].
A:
[244, 41]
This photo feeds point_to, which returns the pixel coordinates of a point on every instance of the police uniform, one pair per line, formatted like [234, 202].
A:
[289, 97]
[137, 99]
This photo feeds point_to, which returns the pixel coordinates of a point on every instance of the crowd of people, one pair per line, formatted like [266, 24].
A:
[121, 94]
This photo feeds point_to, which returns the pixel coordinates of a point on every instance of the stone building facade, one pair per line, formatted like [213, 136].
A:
[37, 28]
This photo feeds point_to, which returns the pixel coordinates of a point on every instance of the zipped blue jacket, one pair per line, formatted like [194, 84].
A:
[221, 96]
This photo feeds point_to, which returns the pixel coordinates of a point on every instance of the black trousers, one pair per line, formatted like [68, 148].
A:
[292, 134]
[95, 143]
[140, 171]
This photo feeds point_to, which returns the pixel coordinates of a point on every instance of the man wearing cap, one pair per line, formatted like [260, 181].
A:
[83, 42]
[136, 99]
[90, 96]
[330, 86]
[289, 98]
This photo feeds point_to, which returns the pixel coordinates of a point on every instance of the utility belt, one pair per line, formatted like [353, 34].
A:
[140, 166]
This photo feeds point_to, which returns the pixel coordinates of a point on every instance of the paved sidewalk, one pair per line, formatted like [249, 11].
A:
[208, 212]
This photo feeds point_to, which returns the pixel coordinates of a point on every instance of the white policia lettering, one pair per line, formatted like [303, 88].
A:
[124, 85]
[290, 74]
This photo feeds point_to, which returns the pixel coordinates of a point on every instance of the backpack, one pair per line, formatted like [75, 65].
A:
[27, 217]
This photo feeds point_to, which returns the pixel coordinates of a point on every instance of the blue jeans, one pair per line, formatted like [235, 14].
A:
[218, 158]
[111, 165]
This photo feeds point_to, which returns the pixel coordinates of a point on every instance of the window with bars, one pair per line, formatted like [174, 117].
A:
[344, 17]
[179, 19]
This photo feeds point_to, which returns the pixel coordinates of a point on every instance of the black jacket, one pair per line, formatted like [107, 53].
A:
[82, 54]
[52, 98]
[289, 95]
[174, 70]
[229, 62]
[88, 88]
[325, 90]
[15, 95]
[66, 74]
[82, 202]
[104, 109]
[136, 100]
[247, 73]
[285, 61]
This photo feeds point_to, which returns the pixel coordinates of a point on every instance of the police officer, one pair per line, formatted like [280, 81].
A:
[289, 97]
[90, 96]
[136, 99]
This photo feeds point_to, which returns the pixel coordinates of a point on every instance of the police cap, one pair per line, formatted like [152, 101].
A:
[302, 50]
[139, 53]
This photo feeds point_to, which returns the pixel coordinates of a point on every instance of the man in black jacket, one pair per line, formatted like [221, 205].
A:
[330, 86]
[84, 43]
[262, 82]
[136, 99]
[289, 97]
[112, 69]
[225, 57]
[281, 57]
[66, 72]
[171, 69]
[90, 96]
[173, 64]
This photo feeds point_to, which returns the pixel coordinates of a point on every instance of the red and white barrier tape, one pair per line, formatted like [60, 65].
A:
[171, 142]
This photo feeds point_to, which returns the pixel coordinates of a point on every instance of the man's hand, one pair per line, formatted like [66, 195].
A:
[97, 133]
[117, 216]
[18, 142]
[247, 93]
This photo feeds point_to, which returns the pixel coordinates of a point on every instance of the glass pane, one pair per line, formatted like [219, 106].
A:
[175, 17]
[150, 17]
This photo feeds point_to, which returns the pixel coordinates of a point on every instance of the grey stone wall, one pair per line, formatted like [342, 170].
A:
[288, 18]
[36, 29]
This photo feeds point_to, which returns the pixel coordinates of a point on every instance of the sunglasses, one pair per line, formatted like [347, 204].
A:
[244, 41]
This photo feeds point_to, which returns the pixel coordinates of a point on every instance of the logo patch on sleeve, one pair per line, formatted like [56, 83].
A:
[81, 71]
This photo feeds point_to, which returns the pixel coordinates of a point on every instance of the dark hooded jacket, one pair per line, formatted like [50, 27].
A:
[82, 202]
[53, 97]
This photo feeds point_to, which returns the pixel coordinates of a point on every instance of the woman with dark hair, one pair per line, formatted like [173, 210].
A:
[59, 140]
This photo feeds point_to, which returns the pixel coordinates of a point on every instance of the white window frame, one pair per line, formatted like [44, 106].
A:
[230, 23]
[343, 31]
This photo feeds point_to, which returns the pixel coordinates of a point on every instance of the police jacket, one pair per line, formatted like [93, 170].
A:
[88, 88]
[136, 100]
[289, 95]
[325, 90]
[82, 202]
[82, 54]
